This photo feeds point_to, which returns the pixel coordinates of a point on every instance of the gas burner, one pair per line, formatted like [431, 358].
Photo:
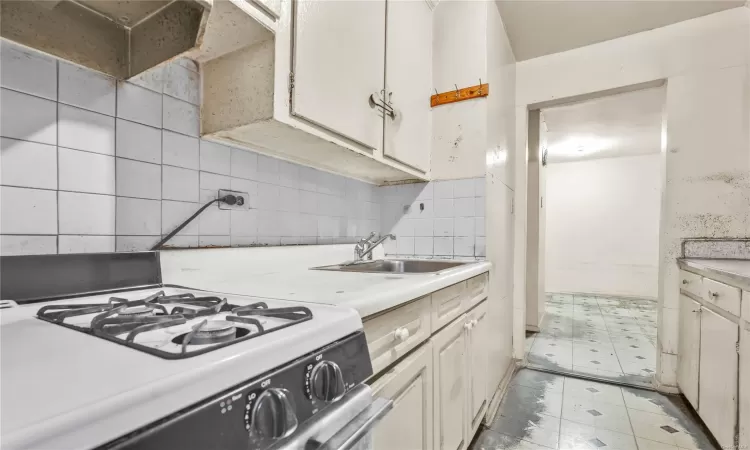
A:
[214, 332]
[147, 324]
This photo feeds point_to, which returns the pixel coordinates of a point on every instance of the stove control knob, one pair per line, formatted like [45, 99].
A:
[327, 381]
[273, 414]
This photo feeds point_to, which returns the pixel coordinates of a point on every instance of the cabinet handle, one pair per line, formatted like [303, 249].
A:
[401, 334]
[474, 323]
[685, 282]
[713, 294]
[467, 326]
[698, 310]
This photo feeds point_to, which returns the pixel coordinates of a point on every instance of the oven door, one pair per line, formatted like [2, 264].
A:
[346, 424]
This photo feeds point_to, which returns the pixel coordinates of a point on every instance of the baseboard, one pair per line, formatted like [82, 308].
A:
[665, 388]
[533, 328]
[502, 388]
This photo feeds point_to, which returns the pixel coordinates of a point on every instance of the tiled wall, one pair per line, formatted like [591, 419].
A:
[440, 219]
[88, 165]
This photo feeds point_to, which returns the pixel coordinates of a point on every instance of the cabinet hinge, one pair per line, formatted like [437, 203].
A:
[737, 347]
[512, 205]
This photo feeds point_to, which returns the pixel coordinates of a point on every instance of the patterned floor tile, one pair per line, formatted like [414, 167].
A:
[576, 436]
[667, 430]
[491, 440]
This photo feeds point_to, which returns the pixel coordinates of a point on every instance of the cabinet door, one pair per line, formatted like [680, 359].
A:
[745, 386]
[449, 358]
[477, 366]
[689, 349]
[409, 424]
[338, 61]
[717, 403]
[408, 79]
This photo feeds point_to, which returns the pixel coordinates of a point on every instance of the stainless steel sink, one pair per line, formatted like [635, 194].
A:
[394, 266]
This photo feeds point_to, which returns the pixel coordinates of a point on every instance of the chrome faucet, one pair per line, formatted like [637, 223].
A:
[365, 246]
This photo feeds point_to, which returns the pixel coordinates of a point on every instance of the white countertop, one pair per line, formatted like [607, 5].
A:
[733, 271]
[284, 273]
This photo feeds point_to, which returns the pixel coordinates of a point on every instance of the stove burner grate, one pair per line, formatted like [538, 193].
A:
[134, 317]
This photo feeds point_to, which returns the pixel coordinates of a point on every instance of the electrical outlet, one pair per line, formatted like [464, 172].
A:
[243, 200]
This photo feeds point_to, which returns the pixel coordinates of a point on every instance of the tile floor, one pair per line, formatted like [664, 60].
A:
[542, 411]
[608, 337]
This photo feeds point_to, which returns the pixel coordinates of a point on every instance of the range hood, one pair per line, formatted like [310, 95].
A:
[121, 38]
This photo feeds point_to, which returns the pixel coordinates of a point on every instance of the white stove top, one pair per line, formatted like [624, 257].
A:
[62, 388]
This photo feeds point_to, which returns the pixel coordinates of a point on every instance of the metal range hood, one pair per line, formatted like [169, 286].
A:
[121, 38]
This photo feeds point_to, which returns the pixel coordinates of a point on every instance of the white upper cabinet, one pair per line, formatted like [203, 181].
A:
[300, 90]
[717, 403]
[338, 64]
[408, 65]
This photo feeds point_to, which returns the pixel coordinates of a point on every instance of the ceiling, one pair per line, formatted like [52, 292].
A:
[608, 127]
[543, 27]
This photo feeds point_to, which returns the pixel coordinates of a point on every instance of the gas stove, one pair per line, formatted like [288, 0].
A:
[174, 326]
[97, 353]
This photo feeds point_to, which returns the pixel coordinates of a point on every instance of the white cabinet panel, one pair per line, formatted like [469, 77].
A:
[718, 376]
[476, 323]
[408, 83]
[744, 388]
[449, 358]
[691, 282]
[338, 63]
[409, 384]
[272, 7]
[724, 296]
[395, 333]
[689, 350]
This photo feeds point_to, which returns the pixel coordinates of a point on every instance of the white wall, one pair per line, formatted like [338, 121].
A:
[705, 63]
[603, 226]
[475, 138]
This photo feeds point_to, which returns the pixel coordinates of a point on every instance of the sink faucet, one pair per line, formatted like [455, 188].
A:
[365, 246]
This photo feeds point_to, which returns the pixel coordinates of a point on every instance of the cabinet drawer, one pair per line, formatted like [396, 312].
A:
[393, 334]
[477, 289]
[447, 304]
[724, 296]
[691, 282]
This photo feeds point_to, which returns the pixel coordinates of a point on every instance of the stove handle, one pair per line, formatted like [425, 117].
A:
[350, 435]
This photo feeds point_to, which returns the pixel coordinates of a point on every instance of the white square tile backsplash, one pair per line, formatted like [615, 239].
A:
[80, 129]
[139, 104]
[130, 167]
[86, 213]
[28, 211]
[86, 89]
[438, 219]
[27, 117]
[86, 172]
[27, 71]
[28, 164]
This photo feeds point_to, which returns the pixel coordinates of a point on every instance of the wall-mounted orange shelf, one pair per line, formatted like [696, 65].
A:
[459, 95]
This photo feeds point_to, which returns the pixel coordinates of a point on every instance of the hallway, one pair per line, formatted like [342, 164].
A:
[543, 411]
[611, 338]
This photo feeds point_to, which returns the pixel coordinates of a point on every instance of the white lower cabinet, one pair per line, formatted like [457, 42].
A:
[744, 418]
[690, 341]
[717, 403]
[476, 376]
[449, 401]
[408, 425]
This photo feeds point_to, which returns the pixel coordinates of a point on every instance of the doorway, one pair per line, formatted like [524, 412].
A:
[595, 173]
